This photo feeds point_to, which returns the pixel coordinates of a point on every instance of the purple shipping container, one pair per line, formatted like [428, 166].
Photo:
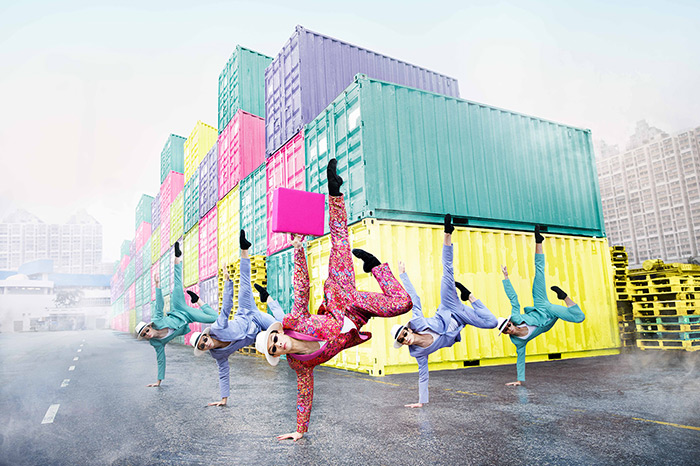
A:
[312, 70]
[209, 181]
[155, 211]
[146, 312]
[209, 291]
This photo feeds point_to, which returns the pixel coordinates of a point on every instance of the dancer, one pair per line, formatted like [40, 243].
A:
[163, 329]
[309, 340]
[224, 336]
[425, 336]
[539, 318]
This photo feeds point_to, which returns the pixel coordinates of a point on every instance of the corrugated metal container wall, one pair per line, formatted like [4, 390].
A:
[146, 313]
[253, 190]
[285, 169]
[172, 186]
[142, 234]
[176, 218]
[241, 149]
[143, 210]
[146, 288]
[191, 202]
[138, 264]
[209, 291]
[580, 265]
[172, 157]
[130, 274]
[126, 246]
[155, 211]
[164, 231]
[242, 84]
[131, 296]
[229, 209]
[412, 155]
[147, 255]
[166, 272]
[155, 272]
[138, 292]
[208, 255]
[155, 245]
[201, 140]
[132, 320]
[312, 69]
[209, 181]
[190, 262]
[280, 272]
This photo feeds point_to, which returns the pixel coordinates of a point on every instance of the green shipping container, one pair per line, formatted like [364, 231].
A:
[146, 251]
[242, 85]
[172, 157]
[126, 247]
[412, 155]
[280, 272]
[129, 274]
[143, 210]
[165, 271]
[191, 201]
[253, 192]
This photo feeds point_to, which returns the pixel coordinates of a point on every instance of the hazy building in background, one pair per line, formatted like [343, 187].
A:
[651, 194]
[74, 247]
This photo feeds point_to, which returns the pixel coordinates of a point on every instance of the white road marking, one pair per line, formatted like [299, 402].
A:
[75, 358]
[81, 345]
[79, 350]
[71, 368]
[50, 414]
[65, 383]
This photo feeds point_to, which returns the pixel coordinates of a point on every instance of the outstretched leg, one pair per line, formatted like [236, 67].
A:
[539, 287]
[571, 312]
[340, 266]
[392, 302]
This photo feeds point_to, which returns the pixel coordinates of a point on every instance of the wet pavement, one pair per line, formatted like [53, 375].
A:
[636, 408]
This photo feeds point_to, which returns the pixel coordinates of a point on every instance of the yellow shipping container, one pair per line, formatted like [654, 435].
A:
[155, 245]
[229, 225]
[202, 138]
[190, 263]
[580, 265]
[132, 320]
[177, 220]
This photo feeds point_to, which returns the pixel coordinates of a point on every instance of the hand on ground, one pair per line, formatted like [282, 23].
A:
[414, 405]
[294, 436]
[514, 384]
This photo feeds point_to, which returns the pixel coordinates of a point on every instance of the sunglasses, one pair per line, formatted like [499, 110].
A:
[402, 335]
[275, 339]
[200, 345]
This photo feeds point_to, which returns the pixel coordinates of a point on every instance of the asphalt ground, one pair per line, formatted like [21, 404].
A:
[635, 408]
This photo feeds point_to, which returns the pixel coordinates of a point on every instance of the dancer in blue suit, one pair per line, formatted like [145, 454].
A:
[164, 328]
[424, 336]
[538, 319]
[225, 337]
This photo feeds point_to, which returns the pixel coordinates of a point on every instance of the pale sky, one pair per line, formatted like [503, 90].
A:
[89, 90]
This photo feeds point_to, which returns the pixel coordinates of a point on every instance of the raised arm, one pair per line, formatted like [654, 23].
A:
[510, 292]
[408, 286]
[226, 305]
[276, 309]
[305, 398]
[160, 304]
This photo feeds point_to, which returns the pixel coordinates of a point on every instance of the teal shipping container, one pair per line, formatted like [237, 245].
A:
[146, 288]
[172, 157]
[146, 251]
[413, 155]
[191, 201]
[280, 272]
[242, 85]
[139, 291]
[130, 274]
[126, 247]
[253, 194]
[166, 266]
[143, 210]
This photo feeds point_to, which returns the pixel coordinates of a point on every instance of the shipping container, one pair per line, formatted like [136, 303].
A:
[142, 233]
[280, 272]
[132, 321]
[580, 265]
[131, 296]
[126, 247]
[242, 84]
[167, 265]
[176, 218]
[143, 210]
[412, 155]
[138, 264]
[146, 312]
[209, 181]
[138, 285]
[146, 252]
[285, 169]
[169, 190]
[209, 291]
[201, 140]
[130, 274]
[146, 287]
[155, 273]
[241, 149]
[155, 246]
[191, 202]
[312, 69]
[155, 211]
[190, 262]
[229, 209]
[164, 231]
[253, 194]
[172, 157]
[208, 254]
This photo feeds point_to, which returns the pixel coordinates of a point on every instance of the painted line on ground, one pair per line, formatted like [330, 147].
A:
[65, 383]
[81, 345]
[50, 414]
[471, 393]
[681, 426]
[79, 350]
[71, 368]
[75, 358]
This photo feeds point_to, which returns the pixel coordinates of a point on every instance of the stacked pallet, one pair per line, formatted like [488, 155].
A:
[625, 318]
[666, 305]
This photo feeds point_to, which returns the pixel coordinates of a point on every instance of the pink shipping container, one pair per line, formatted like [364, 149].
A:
[171, 187]
[285, 169]
[208, 252]
[123, 263]
[131, 296]
[241, 149]
[155, 270]
[164, 231]
[143, 232]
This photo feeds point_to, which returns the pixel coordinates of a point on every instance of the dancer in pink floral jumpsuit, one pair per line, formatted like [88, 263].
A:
[309, 340]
